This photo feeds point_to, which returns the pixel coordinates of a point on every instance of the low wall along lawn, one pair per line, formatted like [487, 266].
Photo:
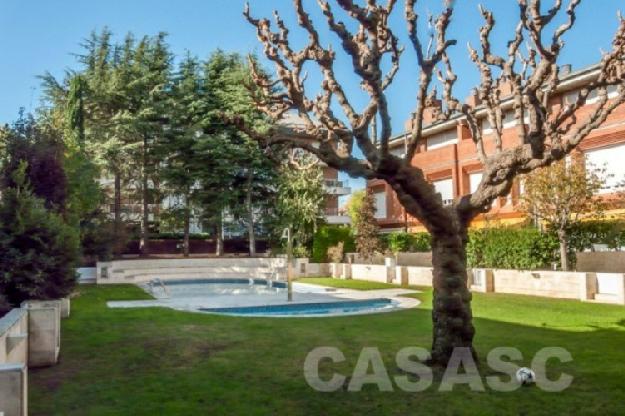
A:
[584, 286]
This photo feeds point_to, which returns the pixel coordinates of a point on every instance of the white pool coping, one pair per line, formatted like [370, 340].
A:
[303, 293]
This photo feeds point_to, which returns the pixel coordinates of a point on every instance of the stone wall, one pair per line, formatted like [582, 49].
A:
[372, 272]
[597, 287]
[137, 271]
[566, 285]
[601, 261]
[13, 359]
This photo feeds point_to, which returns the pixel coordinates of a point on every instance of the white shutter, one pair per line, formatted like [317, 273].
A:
[610, 158]
[474, 181]
[380, 204]
[442, 139]
[445, 187]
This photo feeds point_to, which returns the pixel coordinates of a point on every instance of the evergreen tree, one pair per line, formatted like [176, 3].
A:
[42, 150]
[39, 251]
[177, 145]
[367, 230]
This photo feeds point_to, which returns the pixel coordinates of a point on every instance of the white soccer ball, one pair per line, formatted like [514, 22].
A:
[525, 376]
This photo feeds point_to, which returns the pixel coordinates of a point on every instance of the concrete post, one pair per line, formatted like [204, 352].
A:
[335, 269]
[588, 286]
[13, 390]
[44, 332]
[390, 264]
[65, 307]
[482, 280]
[347, 271]
[401, 274]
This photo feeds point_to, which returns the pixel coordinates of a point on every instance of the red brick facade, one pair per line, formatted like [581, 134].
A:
[457, 161]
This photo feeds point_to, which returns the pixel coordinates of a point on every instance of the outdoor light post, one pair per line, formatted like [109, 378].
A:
[289, 259]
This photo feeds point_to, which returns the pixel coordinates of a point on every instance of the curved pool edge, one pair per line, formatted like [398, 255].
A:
[304, 294]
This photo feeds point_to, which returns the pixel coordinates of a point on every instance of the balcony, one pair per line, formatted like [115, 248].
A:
[336, 216]
[335, 187]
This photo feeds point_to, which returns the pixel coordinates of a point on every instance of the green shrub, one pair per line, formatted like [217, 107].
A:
[583, 235]
[328, 236]
[39, 250]
[4, 305]
[511, 248]
[402, 242]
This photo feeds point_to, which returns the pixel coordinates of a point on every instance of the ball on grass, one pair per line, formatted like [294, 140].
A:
[525, 376]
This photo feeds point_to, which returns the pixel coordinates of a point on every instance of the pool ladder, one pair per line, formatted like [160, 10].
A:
[162, 285]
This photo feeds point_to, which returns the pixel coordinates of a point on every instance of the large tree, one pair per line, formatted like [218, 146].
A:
[545, 136]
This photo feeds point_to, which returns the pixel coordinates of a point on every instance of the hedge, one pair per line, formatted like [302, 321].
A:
[402, 242]
[512, 248]
[328, 236]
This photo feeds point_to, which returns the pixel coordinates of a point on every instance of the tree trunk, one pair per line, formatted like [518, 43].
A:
[117, 208]
[250, 213]
[451, 310]
[187, 227]
[144, 248]
[219, 239]
[564, 250]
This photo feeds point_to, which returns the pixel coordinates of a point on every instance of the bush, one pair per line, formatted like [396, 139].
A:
[4, 305]
[582, 236]
[39, 251]
[511, 248]
[335, 253]
[328, 236]
[401, 242]
[300, 252]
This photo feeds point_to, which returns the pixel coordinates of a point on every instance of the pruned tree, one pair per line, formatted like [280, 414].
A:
[546, 133]
[562, 195]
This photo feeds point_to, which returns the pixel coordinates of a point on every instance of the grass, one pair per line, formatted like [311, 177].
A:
[164, 362]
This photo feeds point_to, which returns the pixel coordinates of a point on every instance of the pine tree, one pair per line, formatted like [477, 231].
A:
[177, 145]
[39, 251]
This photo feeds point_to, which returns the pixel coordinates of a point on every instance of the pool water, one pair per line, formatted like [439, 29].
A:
[261, 297]
[327, 308]
[216, 287]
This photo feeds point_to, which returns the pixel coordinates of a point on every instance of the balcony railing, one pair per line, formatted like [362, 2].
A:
[333, 183]
[335, 212]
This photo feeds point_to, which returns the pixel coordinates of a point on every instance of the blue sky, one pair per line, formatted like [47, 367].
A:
[41, 35]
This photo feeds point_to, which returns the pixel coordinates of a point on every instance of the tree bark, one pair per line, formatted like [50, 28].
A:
[219, 237]
[144, 248]
[564, 250]
[451, 310]
[117, 208]
[250, 213]
[187, 227]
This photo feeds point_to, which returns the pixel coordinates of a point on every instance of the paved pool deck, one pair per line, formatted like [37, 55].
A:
[302, 293]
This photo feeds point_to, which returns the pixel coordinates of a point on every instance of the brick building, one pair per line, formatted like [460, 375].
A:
[448, 157]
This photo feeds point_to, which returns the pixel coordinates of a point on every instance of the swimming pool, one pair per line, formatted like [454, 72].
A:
[265, 298]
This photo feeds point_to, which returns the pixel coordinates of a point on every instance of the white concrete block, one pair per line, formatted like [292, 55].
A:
[13, 390]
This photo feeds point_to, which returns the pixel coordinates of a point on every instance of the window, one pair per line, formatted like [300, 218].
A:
[474, 181]
[509, 120]
[399, 151]
[445, 187]
[571, 96]
[610, 158]
[442, 139]
[380, 204]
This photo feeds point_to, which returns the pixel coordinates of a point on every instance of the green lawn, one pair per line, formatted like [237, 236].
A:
[163, 362]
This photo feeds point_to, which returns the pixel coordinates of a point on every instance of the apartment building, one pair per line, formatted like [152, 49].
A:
[448, 157]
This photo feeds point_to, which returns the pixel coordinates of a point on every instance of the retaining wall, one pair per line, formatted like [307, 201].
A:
[13, 359]
[597, 287]
[137, 271]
